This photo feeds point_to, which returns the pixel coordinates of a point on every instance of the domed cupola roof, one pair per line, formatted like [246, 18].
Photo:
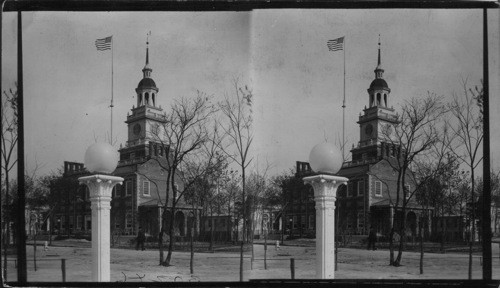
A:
[379, 83]
[146, 83]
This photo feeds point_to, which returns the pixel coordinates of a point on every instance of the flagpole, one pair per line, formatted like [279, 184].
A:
[343, 110]
[112, 85]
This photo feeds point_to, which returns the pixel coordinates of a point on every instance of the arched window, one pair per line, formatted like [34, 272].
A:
[146, 98]
[385, 100]
[378, 99]
[153, 98]
[371, 100]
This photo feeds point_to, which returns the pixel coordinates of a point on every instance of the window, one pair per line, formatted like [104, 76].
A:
[178, 193]
[294, 222]
[311, 222]
[407, 192]
[128, 221]
[87, 193]
[349, 189]
[88, 222]
[361, 187]
[145, 190]
[117, 223]
[128, 188]
[303, 221]
[378, 188]
[79, 222]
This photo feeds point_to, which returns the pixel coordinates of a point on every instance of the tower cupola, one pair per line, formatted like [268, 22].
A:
[379, 90]
[146, 89]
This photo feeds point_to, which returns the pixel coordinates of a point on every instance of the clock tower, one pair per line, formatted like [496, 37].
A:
[376, 123]
[146, 119]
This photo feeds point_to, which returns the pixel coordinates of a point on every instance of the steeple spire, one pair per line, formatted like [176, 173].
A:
[147, 70]
[378, 63]
[379, 72]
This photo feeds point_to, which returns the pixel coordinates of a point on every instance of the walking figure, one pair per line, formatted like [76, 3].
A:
[45, 246]
[141, 237]
[277, 245]
[372, 239]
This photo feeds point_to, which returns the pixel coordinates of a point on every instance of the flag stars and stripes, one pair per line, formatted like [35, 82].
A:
[335, 44]
[104, 43]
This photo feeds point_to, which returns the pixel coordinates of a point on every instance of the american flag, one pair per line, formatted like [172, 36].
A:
[335, 44]
[104, 43]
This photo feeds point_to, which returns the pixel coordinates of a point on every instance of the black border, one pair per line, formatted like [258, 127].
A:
[228, 5]
[236, 5]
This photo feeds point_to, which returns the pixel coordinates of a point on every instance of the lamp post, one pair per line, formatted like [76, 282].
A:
[100, 158]
[325, 160]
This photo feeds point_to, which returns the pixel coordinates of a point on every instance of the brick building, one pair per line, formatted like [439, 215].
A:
[140, 201]
[368, 198]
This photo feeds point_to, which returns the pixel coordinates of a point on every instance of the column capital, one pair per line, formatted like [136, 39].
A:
[100, 185]
[323, 184]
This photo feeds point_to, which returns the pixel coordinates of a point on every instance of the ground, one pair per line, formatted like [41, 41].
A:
[131, 265]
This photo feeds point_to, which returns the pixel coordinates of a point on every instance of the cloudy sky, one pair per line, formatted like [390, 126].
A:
[281, 54]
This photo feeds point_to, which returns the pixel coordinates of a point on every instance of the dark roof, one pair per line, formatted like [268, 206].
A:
[146, 83]
[379, 83]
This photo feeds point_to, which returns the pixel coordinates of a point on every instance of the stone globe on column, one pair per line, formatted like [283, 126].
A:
[325, 158]
[101, 158]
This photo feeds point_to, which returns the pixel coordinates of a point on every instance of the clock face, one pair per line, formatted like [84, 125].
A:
[369, 129]
[137, 129]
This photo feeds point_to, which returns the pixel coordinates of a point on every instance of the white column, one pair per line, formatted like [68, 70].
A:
[100, 187]
[325, 194]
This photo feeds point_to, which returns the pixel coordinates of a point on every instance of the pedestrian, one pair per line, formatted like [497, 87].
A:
[141, 237]
[46, 246]
[372, 239]
[277, 245]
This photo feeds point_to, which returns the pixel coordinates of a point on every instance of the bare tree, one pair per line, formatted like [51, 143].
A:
[238, 113]
[414, 133]
[433, 174]
[467, 112]
[8, 160]
[182, 134]
[257, 185]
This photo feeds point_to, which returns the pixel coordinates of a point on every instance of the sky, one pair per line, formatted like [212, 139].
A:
[280, 54]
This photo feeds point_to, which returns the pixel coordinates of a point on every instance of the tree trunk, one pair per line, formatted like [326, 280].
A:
[402, 236]
[241, 261]
[421, 248]
[251, 237]
[191, 259]
[171, 238]
[443, 224]
[244, 220]
[265, 251]
[391, 246]
[34, 249]
[473, 230]
[211, 243]
[160, 245]
[7, 223]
